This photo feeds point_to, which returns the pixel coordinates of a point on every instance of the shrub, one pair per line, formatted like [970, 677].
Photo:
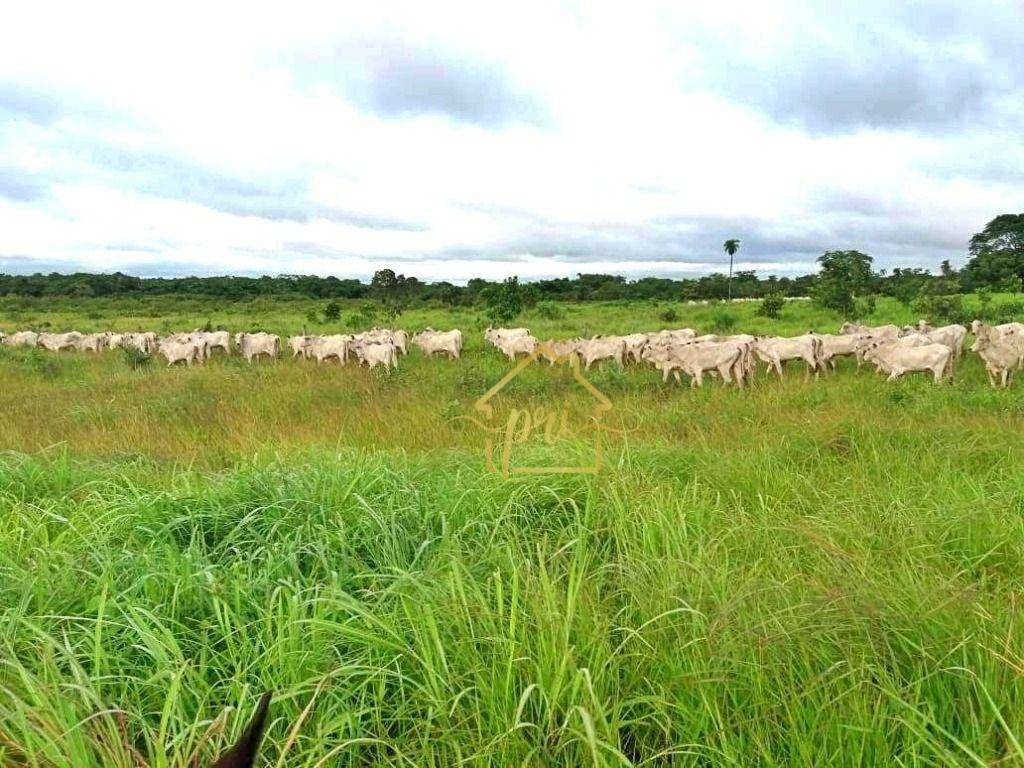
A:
[941, 309]
[550, 311]
[332, 312]
[135, 358]
[722, 320]
[44, 364]
[771, 305]
[669, 315]
[864, 307]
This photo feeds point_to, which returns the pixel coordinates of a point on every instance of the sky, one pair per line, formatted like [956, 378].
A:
[452, 140]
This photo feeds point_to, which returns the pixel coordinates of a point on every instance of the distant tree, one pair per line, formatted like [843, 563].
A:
[844, 275]
[730, 246]
[771, 305]
[997, 254]
[504, 300]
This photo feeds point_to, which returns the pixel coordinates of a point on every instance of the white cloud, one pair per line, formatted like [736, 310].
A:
[461, 139]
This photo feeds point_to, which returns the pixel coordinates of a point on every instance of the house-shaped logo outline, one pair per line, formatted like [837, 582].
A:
[602, 407]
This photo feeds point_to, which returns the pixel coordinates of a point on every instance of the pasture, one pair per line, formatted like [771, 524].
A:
[800, 573]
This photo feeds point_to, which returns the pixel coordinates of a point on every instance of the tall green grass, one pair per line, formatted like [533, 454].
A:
[802, 573]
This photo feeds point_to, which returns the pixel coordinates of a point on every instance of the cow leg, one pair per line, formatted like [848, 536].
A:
[778, 367]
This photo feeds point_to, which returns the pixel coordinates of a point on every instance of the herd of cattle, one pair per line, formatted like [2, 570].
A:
[891, 349]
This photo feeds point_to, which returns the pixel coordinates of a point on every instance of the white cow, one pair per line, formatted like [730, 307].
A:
[775, 350]
[302, 345]
[896, 359]
[178, 350]
[1002, 355]
[326, 347]
[724, 358]
[951, 335]
[494, 336]
[373, 354]
[517, 345]
[837, 345]
[55, 342]
[439, 342]
[213, 340]
[979, 328]
[23, 339]
[252, 345]
[601, 348]
[557, 351]
[91, 342]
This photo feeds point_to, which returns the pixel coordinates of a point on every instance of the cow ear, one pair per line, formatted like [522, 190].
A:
[243, 754]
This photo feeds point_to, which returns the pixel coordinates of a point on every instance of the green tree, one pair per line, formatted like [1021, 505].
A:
[730, 246]
[332, 312]
[504, 300]
[771, 305]
[997, 253]
[844, 275]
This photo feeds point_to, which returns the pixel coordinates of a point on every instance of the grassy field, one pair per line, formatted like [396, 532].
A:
[801, 573]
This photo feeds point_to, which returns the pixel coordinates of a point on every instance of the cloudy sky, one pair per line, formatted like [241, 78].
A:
[453, 140]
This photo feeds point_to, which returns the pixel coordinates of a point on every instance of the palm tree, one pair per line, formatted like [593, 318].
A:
[731, 246]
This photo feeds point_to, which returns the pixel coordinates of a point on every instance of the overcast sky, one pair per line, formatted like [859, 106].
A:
[453, 140]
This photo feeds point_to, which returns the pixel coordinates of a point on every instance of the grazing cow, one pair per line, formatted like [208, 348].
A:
[517, 345]
[144, 342]
[923, 326]
[91, 342]
[252, 345]
[55, 342]
[495, 336]
[601, 348]
[837, 345]
[773, 351]
[635, 344]
[115, 340]
[373, 354]
[897, 359]
[302, 345]
[439, 342]
[326, 347]
[725, 358]
[1002, 355]
[951, 335]
[214, 340]
[555, 351]
[889, 332]
[23, 339]
[400, 339]
[178, 350]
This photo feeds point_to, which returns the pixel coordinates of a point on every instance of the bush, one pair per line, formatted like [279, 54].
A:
[332, 312]
[722, 320]
[43, 364]
[941, 309]
[864, 307]
[135, 358]
[669, 315]
[504, 301]
[771, 305]
[550, 311]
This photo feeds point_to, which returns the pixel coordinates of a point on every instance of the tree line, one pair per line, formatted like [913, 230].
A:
[996, 263]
